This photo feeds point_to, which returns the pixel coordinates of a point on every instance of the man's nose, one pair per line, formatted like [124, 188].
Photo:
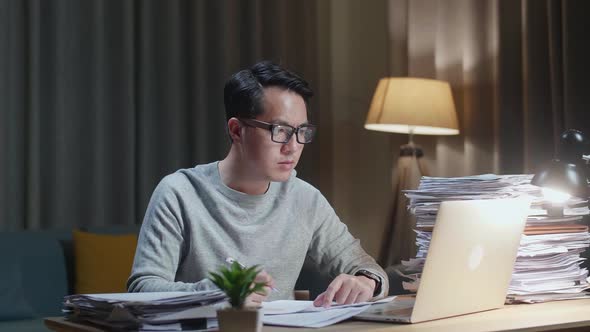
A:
[292, 145]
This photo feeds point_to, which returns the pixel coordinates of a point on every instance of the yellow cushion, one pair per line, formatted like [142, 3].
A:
[103, 262]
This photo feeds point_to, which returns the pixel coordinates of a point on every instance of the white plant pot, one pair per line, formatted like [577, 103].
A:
[239, 320]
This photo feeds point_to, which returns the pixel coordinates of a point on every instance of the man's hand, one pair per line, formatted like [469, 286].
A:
[254, 300]
[346, 289]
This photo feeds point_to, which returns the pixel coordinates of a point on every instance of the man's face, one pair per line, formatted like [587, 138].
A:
[268, 160]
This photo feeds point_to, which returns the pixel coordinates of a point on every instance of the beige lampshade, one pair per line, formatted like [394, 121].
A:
[421, 106]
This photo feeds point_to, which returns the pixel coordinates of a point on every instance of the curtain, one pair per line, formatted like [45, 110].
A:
[518, 72]
[101, 99]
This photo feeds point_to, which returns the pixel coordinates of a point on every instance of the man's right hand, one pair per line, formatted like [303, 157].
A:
[254, 300]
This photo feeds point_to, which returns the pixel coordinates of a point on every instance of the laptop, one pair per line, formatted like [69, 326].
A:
[469, 263]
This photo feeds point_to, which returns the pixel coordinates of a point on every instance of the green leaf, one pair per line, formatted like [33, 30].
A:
[237, 282]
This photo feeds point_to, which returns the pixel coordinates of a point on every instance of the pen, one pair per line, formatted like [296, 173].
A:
[230, 260]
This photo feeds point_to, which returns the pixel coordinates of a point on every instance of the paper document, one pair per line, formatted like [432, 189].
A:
[305, 314]
[166, 311]
[314, 319]
[291, 306]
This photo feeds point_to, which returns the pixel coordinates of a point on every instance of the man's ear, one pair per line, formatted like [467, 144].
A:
[235, 129]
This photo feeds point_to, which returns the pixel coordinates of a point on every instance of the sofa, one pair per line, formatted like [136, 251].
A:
[38, 270]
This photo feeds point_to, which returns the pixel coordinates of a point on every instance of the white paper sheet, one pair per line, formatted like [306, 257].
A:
[305, 314]
[314, 319]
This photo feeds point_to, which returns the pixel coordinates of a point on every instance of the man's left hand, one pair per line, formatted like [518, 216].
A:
[346, 289]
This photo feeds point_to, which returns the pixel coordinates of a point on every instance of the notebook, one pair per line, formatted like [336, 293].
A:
[469, 262]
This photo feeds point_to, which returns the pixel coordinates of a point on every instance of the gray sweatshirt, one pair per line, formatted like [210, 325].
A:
[194, 222]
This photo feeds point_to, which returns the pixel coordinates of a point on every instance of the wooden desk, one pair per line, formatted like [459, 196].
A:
[572, 315]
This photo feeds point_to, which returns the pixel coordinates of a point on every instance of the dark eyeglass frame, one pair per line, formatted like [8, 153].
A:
[271, 127]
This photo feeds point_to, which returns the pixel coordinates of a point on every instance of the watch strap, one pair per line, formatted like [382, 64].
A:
[372, 276]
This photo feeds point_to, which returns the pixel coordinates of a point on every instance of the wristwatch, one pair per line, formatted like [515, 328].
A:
[372, 276]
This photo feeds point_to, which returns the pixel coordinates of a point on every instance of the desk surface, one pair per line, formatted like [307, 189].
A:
[573, 315]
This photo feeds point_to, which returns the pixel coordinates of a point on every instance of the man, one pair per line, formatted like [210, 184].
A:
[251, 207]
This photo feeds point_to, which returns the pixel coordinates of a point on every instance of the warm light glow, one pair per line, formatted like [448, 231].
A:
[418, 130]
[413, 105]
[555, 196]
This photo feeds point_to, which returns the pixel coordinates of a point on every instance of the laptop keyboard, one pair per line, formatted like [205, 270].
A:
[398, 312]
[399, 308]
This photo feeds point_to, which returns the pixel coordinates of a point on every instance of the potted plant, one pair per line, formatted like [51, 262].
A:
[238, 282]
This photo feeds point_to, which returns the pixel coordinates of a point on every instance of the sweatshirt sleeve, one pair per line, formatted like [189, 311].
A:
[160, 246]
[333, 247]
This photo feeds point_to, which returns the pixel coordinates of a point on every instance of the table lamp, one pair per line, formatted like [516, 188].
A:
[412, 106]
[566, 175]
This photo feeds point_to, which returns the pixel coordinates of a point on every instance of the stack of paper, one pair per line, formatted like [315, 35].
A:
[548, 261]
[168, 311]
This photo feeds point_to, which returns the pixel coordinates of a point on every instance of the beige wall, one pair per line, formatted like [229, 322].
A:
[354, 54]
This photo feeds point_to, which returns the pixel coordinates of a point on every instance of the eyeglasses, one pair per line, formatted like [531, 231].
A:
[282, 133]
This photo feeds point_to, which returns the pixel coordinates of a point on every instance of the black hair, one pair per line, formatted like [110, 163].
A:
[244, 91]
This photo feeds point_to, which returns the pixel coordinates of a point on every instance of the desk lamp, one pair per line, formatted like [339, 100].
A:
[565, 175]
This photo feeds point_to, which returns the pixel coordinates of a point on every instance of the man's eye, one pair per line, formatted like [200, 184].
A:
[283, 130]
